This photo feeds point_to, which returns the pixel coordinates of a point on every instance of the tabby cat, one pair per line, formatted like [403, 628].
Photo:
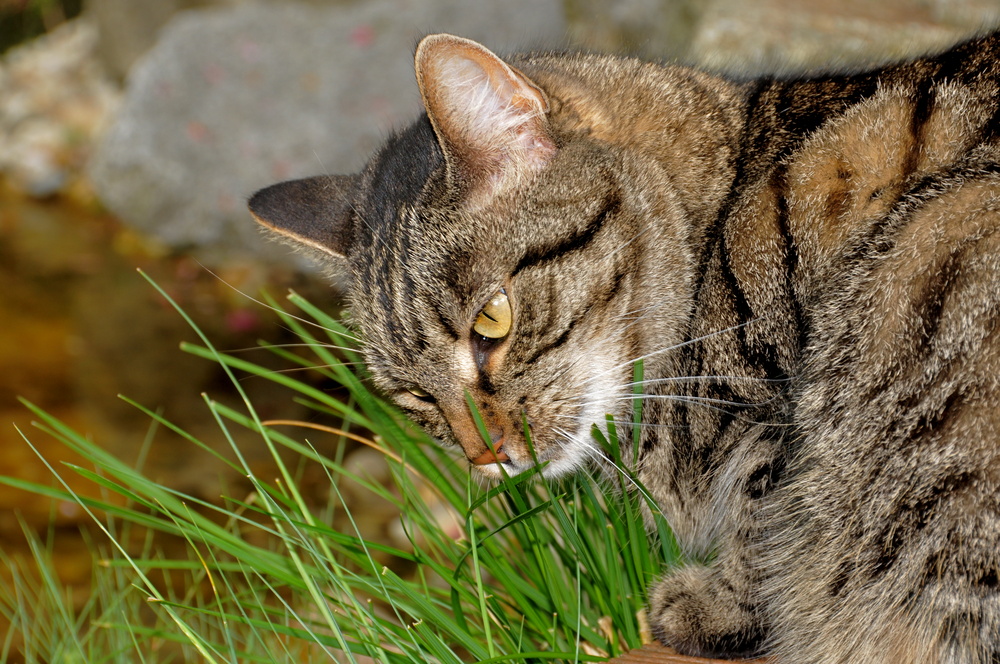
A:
[809, 269]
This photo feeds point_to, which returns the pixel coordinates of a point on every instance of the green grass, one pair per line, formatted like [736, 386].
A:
[539, 570]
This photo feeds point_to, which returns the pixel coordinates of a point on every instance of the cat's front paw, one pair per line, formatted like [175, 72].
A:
[698, 612]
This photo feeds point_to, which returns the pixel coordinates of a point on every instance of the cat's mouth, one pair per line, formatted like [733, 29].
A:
[504, 457]
[551, 461]
[556, 451]
[507, 466]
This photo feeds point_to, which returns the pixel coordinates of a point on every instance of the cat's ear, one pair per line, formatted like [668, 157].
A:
[315, 211]
[489, 118]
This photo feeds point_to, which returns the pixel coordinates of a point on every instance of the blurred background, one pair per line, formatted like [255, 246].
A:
[132, 132]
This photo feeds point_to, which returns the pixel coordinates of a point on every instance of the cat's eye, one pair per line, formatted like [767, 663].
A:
[494, 321]
[419, 393]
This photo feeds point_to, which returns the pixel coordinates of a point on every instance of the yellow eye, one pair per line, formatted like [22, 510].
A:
[417, 392]
[494, 321]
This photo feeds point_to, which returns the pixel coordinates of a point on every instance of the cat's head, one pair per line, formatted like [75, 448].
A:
[493, 259]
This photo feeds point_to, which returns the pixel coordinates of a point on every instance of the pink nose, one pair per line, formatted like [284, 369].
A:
[492, 455]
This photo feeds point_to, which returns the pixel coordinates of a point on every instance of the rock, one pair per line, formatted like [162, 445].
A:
[232, 99]
[770, 35]
[644, 28]
[128, 28]
[54, 98]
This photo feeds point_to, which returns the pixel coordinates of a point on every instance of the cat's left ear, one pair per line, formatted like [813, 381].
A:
[315, 212]
[489, 118]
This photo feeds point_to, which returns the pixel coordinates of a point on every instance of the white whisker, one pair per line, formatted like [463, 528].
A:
[304, 321]
[291, 370]
[629, 241]
[673, 347]
[695, 399]
[302, 345]
[597, 454]
[711, 379]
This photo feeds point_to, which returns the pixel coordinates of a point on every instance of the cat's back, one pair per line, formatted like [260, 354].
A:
[895, 137]
[892, 205]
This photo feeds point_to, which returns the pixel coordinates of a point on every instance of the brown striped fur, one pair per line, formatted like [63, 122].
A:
[809, 269]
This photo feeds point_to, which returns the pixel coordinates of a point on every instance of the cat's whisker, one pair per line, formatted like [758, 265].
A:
[580, 419]
[596, 454]
[705, 402]
[677, 346]
[361, 218]
[631, 313]
[292, 370]
[629, 241]
[718, 379]
[636, 316]
[627, 392]
[651, 425]
[322, 166]
[276, 310]
[302, 345]
[690, 398]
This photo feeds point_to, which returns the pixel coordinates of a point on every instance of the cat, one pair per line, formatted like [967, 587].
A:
[809, 270]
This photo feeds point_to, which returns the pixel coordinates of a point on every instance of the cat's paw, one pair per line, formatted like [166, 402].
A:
[698, 612]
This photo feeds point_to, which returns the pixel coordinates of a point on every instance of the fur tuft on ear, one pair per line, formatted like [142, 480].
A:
[315, 212]
[489, 118]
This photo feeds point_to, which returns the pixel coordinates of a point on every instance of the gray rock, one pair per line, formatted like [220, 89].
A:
[808, 35]
[54, 99]
[650, 29]
[129, 27]
[232, 99]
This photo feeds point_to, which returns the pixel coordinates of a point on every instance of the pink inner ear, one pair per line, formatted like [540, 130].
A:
[489, 116]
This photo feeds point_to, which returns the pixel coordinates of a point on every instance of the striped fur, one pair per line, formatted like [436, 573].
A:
[810, 271]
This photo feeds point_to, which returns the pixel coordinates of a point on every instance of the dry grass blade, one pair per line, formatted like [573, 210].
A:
[657, 654]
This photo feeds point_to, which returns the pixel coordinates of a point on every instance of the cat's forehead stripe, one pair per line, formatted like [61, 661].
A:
[446, 325]
[576, 242]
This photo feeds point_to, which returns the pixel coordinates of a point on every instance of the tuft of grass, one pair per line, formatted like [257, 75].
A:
[527, 570]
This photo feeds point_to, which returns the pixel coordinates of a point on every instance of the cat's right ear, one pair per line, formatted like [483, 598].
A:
[490, 119]
[315, 212]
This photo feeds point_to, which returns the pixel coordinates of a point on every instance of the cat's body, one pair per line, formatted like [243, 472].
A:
[809, 270]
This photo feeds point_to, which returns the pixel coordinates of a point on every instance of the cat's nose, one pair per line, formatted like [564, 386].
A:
[493, 454]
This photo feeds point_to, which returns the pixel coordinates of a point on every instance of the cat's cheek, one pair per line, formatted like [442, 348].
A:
[606, 392]
[570, 458]
[426, 418]
[552, 470]
[491, 471]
